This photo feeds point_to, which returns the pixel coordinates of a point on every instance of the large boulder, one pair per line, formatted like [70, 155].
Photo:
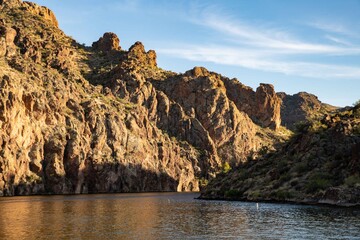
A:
[108, 42]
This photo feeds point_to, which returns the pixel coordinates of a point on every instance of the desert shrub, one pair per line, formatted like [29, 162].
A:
[232, 193]
[302, 126]
[243, 174]
[255, 195]
[285, 177]
[283, 194]
[203, 182]
[294, 183]
[226, 167]
[352, 180]
[301, 167]
[283, 166]
[318, 182]
[356, 128]
[317, 126]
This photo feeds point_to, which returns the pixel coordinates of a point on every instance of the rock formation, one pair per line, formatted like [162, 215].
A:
[263, 106]
[60, 134]
[108, 42]
[301, 107]
[76, 119]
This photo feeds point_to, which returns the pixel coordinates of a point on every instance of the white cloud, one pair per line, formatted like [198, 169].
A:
[264, 47]
[262, 61]
[339, 40]
[331, 27]
[270, 38]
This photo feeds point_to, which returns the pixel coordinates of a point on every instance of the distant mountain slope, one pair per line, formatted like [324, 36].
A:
[302, 107]
[320, 164]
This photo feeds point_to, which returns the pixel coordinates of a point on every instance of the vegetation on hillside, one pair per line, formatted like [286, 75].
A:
[320, 163]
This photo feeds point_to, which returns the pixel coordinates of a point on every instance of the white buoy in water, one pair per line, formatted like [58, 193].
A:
[257, 205]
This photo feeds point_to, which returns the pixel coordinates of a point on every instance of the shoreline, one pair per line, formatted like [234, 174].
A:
[308, 202]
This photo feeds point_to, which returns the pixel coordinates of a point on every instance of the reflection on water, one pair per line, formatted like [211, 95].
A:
[168, 216]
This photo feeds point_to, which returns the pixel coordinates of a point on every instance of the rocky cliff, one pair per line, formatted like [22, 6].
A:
[77, 119]
[320, 164]
[302, 107]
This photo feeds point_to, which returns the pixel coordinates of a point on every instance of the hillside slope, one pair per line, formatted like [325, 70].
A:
[302, 107]
[320, 164]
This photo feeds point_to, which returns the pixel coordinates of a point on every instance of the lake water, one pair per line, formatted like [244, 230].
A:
[169, 216]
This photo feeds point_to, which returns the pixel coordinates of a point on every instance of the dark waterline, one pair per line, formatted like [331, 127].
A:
[169, 216]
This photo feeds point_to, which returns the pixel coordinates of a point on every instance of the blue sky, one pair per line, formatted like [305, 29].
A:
[297, 45]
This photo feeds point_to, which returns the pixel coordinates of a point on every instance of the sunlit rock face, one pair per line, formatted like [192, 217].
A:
[108, 42]
[76, 119]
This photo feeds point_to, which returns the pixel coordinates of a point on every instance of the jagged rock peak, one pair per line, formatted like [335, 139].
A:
[268, 105]
[137, 51]
[137, 48]
[108, 42]
[198, 72]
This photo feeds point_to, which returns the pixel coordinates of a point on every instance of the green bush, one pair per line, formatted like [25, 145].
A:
[226, 167]
[255, 195]
[302, 126]
[243, 174]
[203, 182]
[232, 193]
[352, 180]
[285, 177]
[283, 194]
[318, 182]
[301, 167]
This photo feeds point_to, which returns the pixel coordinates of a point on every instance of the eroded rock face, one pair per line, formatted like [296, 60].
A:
[7, 38]
[301, 107]
[76, 120]
[192, 107]
[59, 134]
[58, 143]
[268, 106]
[40, 11]
[202, 96]
[10, 2]
[263, 106]
[108, 42]
[138, 53]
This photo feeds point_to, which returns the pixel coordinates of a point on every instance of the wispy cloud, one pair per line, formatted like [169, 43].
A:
[339, 40]
[258, 36]
[331, 27]
[264, 47]
[264, 61]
